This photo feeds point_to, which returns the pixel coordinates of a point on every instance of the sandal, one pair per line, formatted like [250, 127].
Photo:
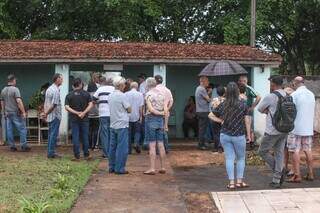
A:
[231, 186]
[242, 185]
[294, 179]
[290, 173]
[149, 173]
[308, 177]
[162, 171]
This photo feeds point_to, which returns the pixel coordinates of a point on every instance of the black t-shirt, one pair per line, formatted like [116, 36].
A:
[79, 101]
[233, 124]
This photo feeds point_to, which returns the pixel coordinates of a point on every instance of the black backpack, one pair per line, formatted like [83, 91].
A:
[286, 112]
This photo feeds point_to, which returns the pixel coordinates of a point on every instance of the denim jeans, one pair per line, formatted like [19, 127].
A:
[154, 131]
[80, 128]
[234, 149]
[105, 134]
[13, 119]
[52, 136]
[118, 152]
[276, 143]
[134, 134]
[203, 122]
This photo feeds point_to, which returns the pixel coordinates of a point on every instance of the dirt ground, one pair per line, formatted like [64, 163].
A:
[191, 175]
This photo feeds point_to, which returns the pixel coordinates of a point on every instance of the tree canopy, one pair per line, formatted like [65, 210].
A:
[288, 27]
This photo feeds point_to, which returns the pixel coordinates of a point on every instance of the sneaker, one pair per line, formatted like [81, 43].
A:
[122, 173]
[137, 149]
[88, 157]
[13, 149]
[26, 149]
[57, 156]
[275, 185]
[220, 150]
[111, 171]
[203, 147]
[76, 159]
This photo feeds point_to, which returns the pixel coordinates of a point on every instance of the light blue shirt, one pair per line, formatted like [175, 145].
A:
[136, 101]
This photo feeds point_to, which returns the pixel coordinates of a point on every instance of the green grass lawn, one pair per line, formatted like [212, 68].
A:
[39, 181]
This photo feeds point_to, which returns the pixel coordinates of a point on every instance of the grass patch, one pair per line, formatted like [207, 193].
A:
[35, 182]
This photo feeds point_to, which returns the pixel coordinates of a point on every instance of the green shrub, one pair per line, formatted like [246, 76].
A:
[32, 206]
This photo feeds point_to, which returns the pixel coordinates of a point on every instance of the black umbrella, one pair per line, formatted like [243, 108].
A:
[223, 67]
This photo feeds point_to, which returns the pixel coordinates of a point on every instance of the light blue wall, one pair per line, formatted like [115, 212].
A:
[29, 77]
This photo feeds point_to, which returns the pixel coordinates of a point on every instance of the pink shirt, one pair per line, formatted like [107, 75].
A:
[168, 99]
[156, 99]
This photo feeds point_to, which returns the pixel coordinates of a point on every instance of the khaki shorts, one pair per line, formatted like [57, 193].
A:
[295, 143]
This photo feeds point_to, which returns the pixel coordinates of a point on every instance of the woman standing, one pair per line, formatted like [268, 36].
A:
[156, 110]
[233, 115]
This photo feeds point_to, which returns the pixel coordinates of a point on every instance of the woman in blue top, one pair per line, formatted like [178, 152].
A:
[233, 116]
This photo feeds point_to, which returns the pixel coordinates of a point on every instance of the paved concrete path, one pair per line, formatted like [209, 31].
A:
[131, 193]
[305, 200]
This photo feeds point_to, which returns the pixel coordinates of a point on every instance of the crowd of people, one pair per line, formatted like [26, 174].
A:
[289, 113]
[130, 115]
[124, 115]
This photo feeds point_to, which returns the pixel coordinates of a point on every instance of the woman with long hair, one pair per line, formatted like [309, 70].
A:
[233, 116]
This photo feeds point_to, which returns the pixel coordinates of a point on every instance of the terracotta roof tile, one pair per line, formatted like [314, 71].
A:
[41, 50]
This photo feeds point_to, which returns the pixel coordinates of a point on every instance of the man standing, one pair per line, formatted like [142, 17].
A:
[78, 103]
[142, 83]
[119, 123]
[273, 139]
[14, 113]
[202, 108]
[168, 101]
[136, 102]
[52, 113]
[253, 99]
[302, 135]
[101, 97]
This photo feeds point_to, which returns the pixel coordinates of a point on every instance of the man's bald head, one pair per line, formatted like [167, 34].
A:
[298, 82]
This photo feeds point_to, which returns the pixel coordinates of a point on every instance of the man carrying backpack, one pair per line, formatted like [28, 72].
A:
[280, 111]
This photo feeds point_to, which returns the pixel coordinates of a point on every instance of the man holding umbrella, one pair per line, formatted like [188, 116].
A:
[202, 109]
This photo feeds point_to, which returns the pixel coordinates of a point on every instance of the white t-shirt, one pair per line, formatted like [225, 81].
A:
[304, 100]
[142, 88]
[102, 98]
[136, 101]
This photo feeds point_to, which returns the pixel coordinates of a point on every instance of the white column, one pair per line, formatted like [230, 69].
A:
[160, 69]
[261, 84]
[63, 69]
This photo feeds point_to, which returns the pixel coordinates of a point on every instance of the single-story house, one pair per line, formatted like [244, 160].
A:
[34, 63]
